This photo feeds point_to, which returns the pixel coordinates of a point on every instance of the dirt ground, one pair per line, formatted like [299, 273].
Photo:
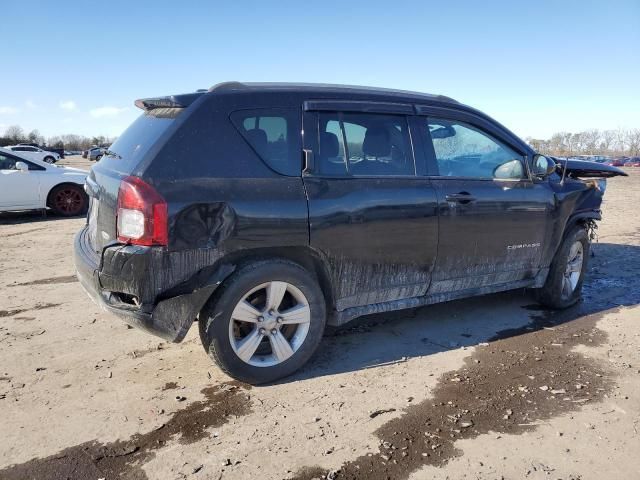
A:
[485, 388]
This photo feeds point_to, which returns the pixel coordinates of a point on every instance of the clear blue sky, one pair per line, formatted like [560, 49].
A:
[537, 66]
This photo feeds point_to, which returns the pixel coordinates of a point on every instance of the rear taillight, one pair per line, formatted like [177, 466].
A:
[142, 214]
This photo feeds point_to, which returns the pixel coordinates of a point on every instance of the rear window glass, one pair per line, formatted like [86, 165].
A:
[136, 140]
[274, 134]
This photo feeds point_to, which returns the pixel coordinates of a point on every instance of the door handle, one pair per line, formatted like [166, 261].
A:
[462, 197]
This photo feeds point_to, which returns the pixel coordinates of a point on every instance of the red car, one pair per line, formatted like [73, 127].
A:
[617, 162]
[633, 162]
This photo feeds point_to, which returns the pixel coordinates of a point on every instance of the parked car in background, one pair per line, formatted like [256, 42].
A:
[96, 153]
[633, 162]
[213, 205]
[35, 153]
[590, 158]
[28, 183]
[617, 162]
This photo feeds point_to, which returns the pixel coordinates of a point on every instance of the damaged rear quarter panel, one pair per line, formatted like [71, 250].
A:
[206, 225]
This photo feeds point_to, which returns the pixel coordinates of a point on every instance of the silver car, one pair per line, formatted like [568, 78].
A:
[96, 153]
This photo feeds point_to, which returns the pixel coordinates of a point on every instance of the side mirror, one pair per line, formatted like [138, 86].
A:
[543, 166]
[23, 167]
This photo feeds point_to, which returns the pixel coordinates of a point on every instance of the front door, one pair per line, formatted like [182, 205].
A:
[18, 189]
[372, 220]
[493, 217]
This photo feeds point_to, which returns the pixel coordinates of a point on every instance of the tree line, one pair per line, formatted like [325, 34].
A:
[620, 142]
[14, 134]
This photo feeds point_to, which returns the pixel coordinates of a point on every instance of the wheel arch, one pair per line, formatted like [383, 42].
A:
[584, 219]
[61, 184]
[303, 256]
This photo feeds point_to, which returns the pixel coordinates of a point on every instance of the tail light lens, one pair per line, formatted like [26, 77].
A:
[142, 214]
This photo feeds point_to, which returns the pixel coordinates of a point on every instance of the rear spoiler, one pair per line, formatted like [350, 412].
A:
[172, 101]
[585, 169]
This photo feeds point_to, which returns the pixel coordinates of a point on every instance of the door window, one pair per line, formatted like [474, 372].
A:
[274, 134]
[364, 144]
[7, 163]
[462, 150]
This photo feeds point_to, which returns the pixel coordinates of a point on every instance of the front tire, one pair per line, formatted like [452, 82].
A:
[264, 322]
[563, 286]
[49, 159]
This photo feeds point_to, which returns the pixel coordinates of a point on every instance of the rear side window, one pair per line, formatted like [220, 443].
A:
[274, 134]
[364, 144]
[127, 151]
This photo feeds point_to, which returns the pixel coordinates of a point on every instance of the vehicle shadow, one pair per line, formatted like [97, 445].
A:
[382, 339]
[32, 216]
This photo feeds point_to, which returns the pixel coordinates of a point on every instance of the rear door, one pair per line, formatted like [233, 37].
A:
[372, 219]
[493, 217]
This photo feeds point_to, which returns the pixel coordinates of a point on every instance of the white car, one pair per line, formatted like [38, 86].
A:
[27, 184]
[34, 153]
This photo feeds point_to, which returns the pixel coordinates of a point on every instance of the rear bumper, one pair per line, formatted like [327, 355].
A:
[169, 318]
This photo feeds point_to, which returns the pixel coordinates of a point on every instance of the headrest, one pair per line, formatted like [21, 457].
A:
[258, 139]
[329, 146]
[376, 142]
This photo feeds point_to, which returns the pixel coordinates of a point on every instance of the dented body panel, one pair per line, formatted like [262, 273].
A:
[374, 244]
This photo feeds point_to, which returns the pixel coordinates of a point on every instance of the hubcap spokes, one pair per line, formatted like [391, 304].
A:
[269, 324]
[69, 201]
[574, 269]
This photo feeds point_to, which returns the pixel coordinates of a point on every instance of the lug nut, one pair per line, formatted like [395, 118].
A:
[271, 312]
[279, 319]
[261, 318]
[274, 331]
[262, 331]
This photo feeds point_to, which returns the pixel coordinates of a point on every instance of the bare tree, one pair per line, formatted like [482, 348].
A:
[633, 142]
[15, 134]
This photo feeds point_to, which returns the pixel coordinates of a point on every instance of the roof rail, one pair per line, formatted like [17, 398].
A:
[228, 86]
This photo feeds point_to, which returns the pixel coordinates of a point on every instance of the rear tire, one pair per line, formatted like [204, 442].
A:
[563, 286]
[273, 338]
[49, 159]
[98, 157]
[68, 200]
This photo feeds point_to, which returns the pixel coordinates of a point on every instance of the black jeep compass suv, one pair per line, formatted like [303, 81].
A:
[267, 211]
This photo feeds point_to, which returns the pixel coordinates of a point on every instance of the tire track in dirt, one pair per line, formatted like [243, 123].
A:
[124, 459]
[48, 281]
[508, 386]
[38, 306]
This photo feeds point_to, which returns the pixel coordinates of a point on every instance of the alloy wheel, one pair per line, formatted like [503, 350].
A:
[269, 324]
[68, 201]
[574, 269]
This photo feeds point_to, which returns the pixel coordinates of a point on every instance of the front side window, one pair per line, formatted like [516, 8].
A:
[364, 144]
[462, 150]
[274, 134]
[7, 163]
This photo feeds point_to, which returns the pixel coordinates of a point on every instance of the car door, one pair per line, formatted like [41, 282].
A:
[493, 218]
[28, 152]
[371, 219]
[19, 189]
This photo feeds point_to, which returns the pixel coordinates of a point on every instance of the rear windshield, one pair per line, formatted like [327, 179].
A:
[130, 147]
